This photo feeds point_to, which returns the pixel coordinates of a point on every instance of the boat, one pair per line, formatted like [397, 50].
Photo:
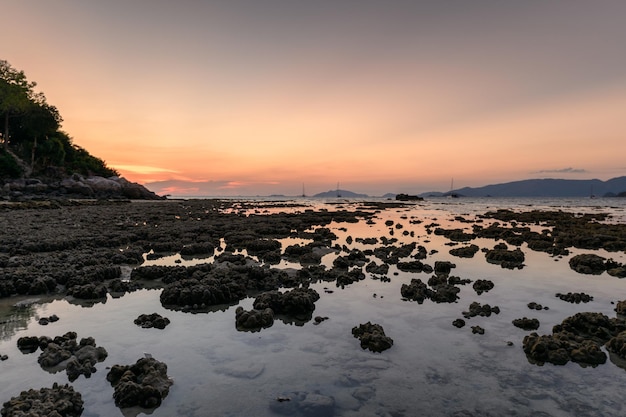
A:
[451, 194]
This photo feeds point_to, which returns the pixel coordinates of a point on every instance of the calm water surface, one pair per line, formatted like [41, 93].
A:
[432, 369]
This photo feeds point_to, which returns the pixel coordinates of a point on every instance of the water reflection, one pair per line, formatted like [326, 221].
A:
[302, 369]
[15, 315]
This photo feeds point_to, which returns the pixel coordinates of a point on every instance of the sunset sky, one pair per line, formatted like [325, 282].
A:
[258, 97]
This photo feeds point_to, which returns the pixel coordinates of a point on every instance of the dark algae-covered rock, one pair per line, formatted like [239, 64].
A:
[483, 310]
[66, 352]
[58, 401]
[465, 251]
[575, 297]
[253, 320]
[372, 337]
[501, 255]
[482, 285]
[155, 320]
[144, 384]
[298, 302]
[440, 290]
[590, 264]
[526, 323]
[478, 330]
[578, 338]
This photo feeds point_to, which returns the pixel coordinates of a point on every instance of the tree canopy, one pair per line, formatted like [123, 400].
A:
[32, 142]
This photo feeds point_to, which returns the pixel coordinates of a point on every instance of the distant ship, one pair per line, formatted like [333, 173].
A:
[451, 194]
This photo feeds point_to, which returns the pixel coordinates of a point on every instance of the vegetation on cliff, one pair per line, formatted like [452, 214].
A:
[33, 144]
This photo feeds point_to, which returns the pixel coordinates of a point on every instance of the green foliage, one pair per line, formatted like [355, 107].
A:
[30, 129]
[9, 167]
[80, 161]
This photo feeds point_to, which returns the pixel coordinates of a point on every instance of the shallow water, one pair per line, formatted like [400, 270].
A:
[432, 369]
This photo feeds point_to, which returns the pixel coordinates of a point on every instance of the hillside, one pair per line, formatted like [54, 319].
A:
[38, 159]
[546, 188]
[340, 193]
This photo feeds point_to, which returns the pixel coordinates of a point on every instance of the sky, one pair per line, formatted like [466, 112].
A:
[261, 97]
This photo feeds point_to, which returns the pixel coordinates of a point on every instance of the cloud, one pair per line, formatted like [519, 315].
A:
[569, 170]
[141, 169]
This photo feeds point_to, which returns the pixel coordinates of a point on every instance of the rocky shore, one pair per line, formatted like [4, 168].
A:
[75, 186]
[89, 250]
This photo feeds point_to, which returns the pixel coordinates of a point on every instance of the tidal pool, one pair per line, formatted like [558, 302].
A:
[433, 368]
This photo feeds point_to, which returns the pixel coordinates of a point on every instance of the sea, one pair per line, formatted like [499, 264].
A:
[432, 369]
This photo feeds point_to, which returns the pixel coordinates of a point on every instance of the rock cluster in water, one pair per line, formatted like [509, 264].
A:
[579, 339]
[526, 323]
[80, 249]
[372, 337]
[65, 352]
[575, 297]
[58, 401]
[143, 384]
[298, 303]
[44, 321]
[148, 321]
[253, 320]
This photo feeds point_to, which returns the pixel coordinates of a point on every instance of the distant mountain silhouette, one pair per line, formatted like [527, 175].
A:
[545, 188]
[340, 193]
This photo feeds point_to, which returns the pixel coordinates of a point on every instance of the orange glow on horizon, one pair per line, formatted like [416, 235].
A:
[251, 102]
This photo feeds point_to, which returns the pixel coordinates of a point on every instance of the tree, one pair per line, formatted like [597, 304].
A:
[35, 126]
[31, 132]
[16, 94]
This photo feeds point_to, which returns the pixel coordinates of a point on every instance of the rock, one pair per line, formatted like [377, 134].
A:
[617, 345]
[155, 320]
[476, 309]
[478, 330]
[465, 252]
[44, 321]
[442, 291]
[299, 302]
[101, 185]
[509, 259]
[590, 264]
[28, 344]
[575, 297]
[458, 323]
[526, 323]
[253, 320]
[620, 308]
[207, 291]
[81, 356]
[415, 291]
[143, 384]
[578, 338]
[88, 291]
[534, 306]
[372, 337]
[408, 197]
[443, 267]
[373, 268]
[76, 187]
[482, 285]
[58, 401]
